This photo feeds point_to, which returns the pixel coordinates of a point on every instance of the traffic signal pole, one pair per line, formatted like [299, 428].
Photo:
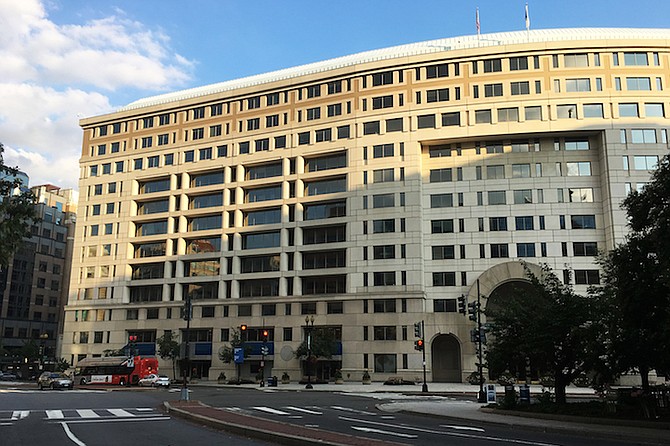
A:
[188, 312]
[480, 366]
[424, 388]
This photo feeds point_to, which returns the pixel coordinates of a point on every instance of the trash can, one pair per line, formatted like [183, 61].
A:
[272, 381]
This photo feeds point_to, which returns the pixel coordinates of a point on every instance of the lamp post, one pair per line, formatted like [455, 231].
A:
[309, 326]
[43, 349]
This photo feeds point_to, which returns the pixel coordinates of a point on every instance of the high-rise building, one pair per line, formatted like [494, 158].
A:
[34, 287]
[368, 192]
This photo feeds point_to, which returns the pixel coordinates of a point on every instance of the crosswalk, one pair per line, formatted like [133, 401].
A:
[8, 417]
[299, 412]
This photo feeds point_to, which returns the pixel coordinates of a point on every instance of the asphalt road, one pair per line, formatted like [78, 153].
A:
[129, 417]
[92, 418]
[357, 415]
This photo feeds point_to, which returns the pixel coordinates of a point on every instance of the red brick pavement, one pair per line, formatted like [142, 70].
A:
[261, 428]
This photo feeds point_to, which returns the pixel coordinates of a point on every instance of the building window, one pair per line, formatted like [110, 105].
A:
[525, 249]
[524, 223]
[593, 111]
[585, 249]
[638, 83]
[451, 119]
[499, 250]
[587, 277]
[441, 200]
[523, 196]
[508, 114]
[492, 65]
[533, 113]
[426, 121]
[583, 222]
[498, 223]
[643, 136]
[566, 111]
[629, 110]
[444, 278]
[635, 59]
[492, 90]
[576, 85]
[482, 116]
[520, 88]
[580, 169]
[497, 197]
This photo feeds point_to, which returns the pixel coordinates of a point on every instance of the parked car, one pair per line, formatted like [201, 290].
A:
[8, 376]
[54, 380]
[154, 380]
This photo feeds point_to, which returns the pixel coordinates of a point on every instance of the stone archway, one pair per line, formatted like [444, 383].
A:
[446, 358]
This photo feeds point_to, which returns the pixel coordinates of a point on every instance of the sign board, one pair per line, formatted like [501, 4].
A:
[490, 393]
[238, 355]
[101, 379]
[131, 363]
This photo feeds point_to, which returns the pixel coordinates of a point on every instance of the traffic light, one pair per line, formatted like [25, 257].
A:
[417, 330]
[418, 344]
[265, 335]
[462, 304]
[243, 328]
[265, 350]
[473, 309]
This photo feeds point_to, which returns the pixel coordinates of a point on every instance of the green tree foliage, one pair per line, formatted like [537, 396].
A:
[545, 322]
[169, 349]
[323, 345]
[635, 295]
[227, 353]
[17, 212]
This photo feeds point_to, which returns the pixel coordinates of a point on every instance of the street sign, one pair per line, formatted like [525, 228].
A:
[265, 350]
[238, 355]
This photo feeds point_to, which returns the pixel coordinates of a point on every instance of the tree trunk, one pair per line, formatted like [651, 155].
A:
[644, 375]
[561, 382]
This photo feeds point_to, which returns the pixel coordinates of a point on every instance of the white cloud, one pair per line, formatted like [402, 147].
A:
[50, 75]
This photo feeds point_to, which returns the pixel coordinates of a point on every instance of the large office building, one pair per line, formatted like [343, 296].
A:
[363, 194]
[34, 286]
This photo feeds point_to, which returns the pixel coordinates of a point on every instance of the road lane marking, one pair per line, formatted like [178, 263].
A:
[71, 436]
[144, 409]
[379, 431]
[300, 409]
[120, 413]
[20, 414]
[54, 414]
[118, 420]
[348, 409]
[463, 428]
[450, 434]
[270, 410]
[87, 413]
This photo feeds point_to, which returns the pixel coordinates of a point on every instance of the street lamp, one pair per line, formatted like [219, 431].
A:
[309, 326]
[43, 349]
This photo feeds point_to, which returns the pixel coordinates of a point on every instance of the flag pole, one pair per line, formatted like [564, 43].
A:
[527, 23]
[477, 24]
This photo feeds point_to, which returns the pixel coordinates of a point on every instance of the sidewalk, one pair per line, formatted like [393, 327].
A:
[408, 398]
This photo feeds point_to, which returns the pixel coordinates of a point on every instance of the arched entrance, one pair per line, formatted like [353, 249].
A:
[446, 357]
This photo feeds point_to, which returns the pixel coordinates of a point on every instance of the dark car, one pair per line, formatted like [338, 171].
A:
[54, 380]
[8, 376]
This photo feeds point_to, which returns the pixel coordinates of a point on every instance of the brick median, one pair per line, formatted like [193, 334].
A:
[248, 423]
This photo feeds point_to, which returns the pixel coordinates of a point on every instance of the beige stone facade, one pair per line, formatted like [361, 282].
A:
[369, 191]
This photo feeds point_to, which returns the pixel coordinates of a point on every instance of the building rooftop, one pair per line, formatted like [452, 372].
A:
[430, 46]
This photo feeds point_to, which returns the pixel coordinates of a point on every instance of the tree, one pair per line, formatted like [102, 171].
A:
[323, 345]
[546, 323]
[169, 349]
[17, 212]
[649, 215]
[227, 352]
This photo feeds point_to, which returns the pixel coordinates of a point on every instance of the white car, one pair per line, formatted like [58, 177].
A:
[154, 380]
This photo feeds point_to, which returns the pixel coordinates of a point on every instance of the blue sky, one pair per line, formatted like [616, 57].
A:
[67, 59]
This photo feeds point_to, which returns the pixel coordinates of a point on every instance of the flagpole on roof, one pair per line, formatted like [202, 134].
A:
[477, 24]
[527, 23]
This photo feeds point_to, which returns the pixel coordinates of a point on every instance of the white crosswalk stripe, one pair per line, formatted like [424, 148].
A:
[19, 414]
[120, 413]
[271, 410]
[87, 413]
[55, 414]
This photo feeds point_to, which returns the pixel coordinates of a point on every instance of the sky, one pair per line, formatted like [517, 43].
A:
[62, 60]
